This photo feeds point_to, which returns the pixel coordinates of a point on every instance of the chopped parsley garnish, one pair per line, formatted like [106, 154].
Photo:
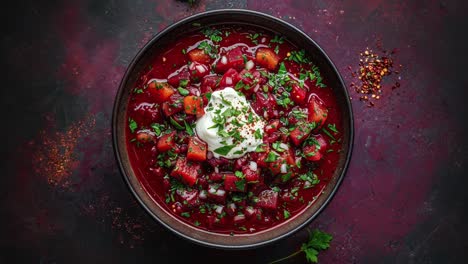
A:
[209, 49]
[277, 146]
[185, 214]
[132, 125]
[224, 150]
[332, 127]
[239, 174]
[309, 177]
[286, 214]
[183, 83]
[240, 184]
[277, 39]
[183, 91]
[175, 124]
[213, 34]
[298, 56]
[188, 129]
[157, 128]
[317, 241]
[328, 133]
[272, 157]
[254, 38]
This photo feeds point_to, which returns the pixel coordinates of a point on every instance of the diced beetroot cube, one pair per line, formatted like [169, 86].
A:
[149, 111]
[180, 74]
[233, 183]
[298, 94]
[197, 71]
[190, 196]
[186, 170]
[230, 78]
[299, 134]
[315, 151]
[270, 138]
[166, 142]
[209, 83]
[268, 199]
[317, 111]
[235, 58]
[174, 105]
[265, 105]
[217, 193]
[250, 175]
[272, 126]
[216, 177]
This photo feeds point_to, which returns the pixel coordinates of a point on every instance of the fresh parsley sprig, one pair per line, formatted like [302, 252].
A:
[317, 242]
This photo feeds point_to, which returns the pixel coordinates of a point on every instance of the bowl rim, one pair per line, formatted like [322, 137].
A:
[121, 89]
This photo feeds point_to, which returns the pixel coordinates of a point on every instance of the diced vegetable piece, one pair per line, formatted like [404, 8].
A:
[198, 71]
[235, 58]
[265, 105]
[317, 111]
[173, 105]
[145, 136]
[161, 91]
[298, 94]
[166, 142]
[199, 55]
[230, 78]
[272, 126]
[179, 75]
[299, 134]
[251, 175]
[194, 105]
[196, 149]
[233, 183]
[216, 177]
[282, 163]
[209, 83]
[238, 219]
[217, 193]
[315, 151]
[190, 196]
[268, 199]
[267, 58]
[186, 170]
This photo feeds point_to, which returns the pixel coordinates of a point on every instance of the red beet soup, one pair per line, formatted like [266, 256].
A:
[233, 130]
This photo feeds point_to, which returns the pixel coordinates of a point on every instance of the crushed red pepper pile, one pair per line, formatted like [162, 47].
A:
[372, 69]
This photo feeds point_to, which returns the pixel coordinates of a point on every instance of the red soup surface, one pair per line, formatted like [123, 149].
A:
[222, 165]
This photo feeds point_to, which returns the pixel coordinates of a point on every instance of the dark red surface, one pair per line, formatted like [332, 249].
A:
[63, 199]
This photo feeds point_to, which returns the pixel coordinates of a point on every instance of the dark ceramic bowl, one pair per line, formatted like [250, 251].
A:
[237, 17]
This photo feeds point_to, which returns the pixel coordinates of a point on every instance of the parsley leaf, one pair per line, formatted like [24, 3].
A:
[224, 150]
[132, 125]
[317, 241]
[272, 157]
[183, 91]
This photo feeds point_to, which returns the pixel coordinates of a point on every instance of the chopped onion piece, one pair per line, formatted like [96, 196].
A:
[219, 209]
[284, 168]
[256, 88]
[284, 146]
[228, 80]
[202, 194]
[249, 65]
[224, 60]
[200, 68]
[216, 169]
[253, 165]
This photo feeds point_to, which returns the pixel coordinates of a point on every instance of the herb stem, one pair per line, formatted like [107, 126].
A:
[287, 257]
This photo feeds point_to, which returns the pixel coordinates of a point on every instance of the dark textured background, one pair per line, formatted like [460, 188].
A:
[63, 200]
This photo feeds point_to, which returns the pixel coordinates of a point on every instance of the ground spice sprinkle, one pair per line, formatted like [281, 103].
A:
[372, 70]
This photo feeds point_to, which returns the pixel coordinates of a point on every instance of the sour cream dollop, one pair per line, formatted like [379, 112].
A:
[230, 126]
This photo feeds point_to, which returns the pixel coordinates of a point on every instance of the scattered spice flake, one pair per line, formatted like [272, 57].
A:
[373, 67]
[55, 158]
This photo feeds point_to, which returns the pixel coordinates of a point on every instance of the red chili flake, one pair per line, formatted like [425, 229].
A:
[373, 67]
[55, 158]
